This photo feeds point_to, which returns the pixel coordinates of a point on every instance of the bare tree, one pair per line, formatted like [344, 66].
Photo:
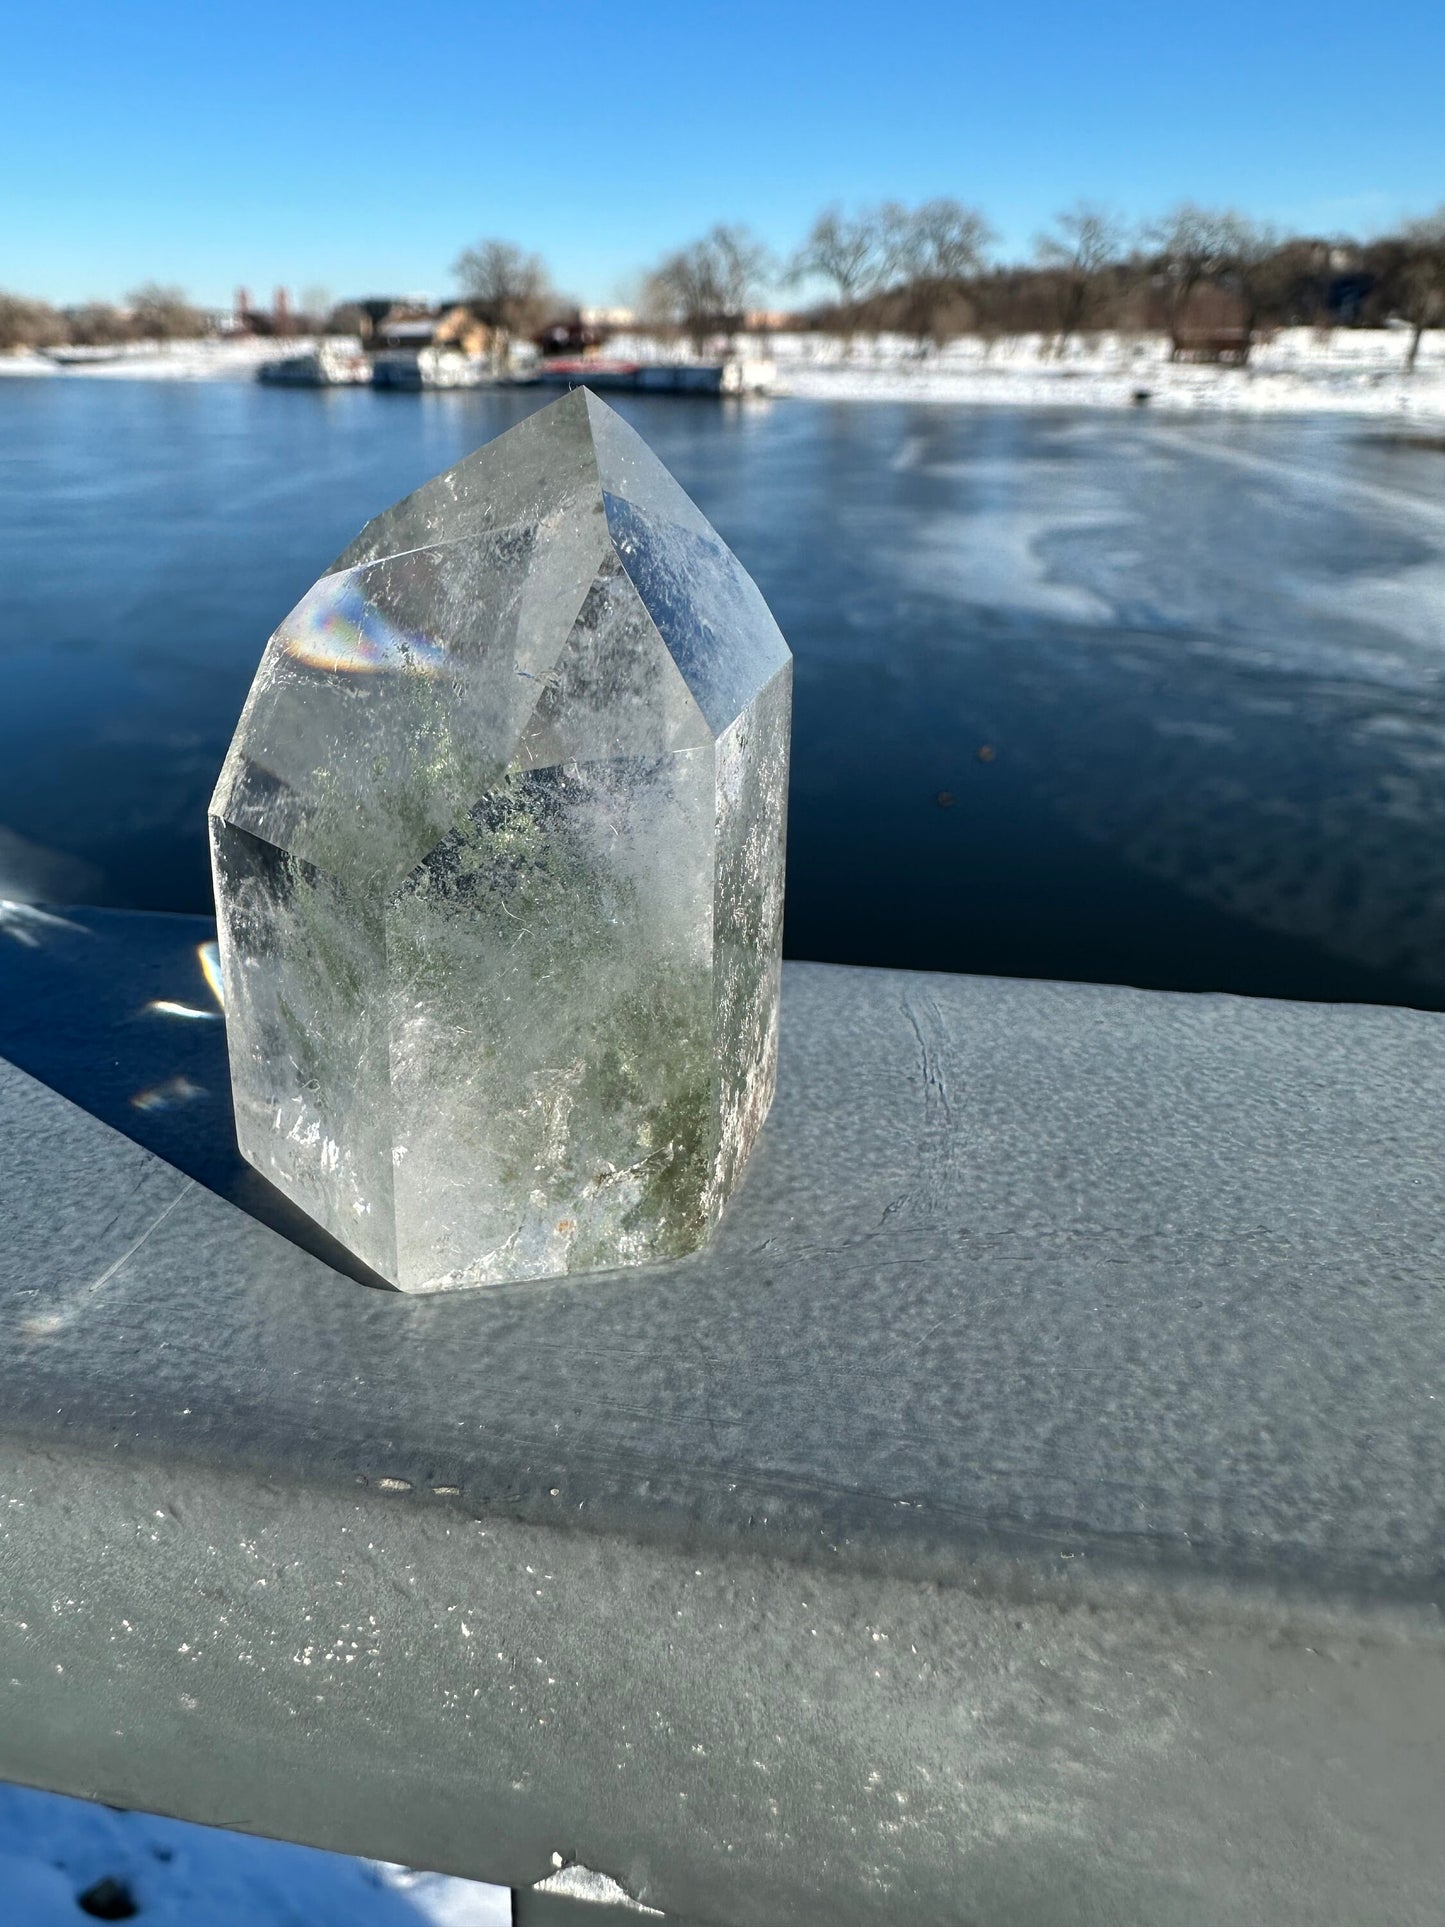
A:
[505, 287]
[707, 287]
[1262, 271]
[28, 324]
[745, 265]
[1422, 279]
[935, 250]
[96, 324]
[162, 313]
[1085, 243]
[680, 292]
[852, 253]
[942, 240]
[1192, 245]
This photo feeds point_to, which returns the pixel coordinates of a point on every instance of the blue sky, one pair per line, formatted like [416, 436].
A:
[361, 147]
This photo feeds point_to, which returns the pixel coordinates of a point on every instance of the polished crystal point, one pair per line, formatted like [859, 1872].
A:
[498, 854]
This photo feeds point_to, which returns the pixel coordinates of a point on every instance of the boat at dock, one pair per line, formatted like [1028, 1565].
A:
[734, 376]
[331, 365]
[431, 366]
[83, 357]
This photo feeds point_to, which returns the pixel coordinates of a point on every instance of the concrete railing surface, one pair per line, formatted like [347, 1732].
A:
[1028, 1509]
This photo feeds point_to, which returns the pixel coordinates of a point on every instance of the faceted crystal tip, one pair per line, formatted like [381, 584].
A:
[498, 854]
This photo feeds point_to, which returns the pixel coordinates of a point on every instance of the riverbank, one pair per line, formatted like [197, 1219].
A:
[1351, 371]
[210, 360]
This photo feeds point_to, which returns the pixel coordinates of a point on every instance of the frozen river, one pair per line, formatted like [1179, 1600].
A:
[1158, 701]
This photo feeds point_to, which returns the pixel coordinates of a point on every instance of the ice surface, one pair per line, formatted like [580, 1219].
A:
[498, 851]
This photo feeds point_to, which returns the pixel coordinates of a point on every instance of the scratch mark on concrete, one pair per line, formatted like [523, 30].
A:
[46, 1324]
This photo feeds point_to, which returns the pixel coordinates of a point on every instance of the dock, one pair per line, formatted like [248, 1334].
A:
[734, 376]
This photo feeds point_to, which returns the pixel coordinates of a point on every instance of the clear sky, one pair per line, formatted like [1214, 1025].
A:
[359, 147]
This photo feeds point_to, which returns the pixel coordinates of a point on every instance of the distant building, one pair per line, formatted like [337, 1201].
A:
[570, 335]
[402, 330]
[247, 319]
[453, 327]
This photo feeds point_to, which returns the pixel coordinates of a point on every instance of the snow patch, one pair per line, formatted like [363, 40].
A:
[53, 1849]
[585, 1883]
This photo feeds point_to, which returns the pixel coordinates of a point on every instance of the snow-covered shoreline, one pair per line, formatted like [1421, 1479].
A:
[209, 360]
[1357, 372]
[1346, 372]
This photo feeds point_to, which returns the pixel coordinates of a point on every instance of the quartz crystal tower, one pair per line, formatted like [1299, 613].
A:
[498, 853]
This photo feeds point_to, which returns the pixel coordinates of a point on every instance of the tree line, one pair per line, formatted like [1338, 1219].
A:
[1205, 278]
[1202, 277]
[1208, 279]
[151, 312]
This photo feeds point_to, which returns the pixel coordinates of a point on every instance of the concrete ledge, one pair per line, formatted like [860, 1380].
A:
[1029, 1509]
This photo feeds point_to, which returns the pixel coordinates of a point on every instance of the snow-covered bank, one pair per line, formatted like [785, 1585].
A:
[1353, 371]
[234, 359]
[171, 1874]
[1349, 371]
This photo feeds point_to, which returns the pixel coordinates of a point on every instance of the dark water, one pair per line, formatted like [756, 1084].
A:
[1098, 696]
